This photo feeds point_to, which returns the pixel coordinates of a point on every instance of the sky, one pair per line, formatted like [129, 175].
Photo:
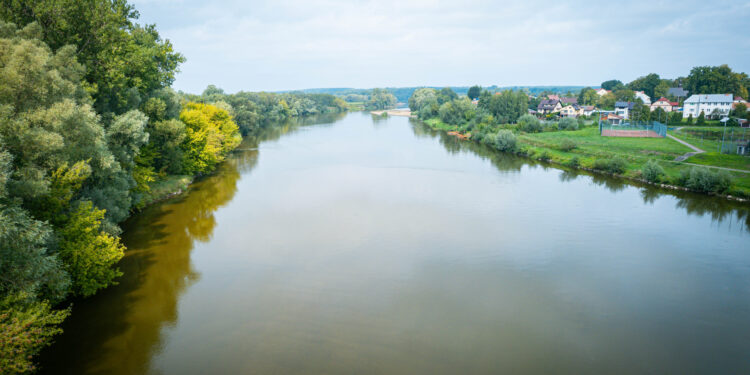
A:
[295, 44]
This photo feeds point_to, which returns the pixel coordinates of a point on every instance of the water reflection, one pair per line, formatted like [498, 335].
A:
[719, 209]
[121, 329]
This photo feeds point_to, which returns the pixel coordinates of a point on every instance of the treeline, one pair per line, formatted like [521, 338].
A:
[254, 110]
[491, 110]
[88, 126]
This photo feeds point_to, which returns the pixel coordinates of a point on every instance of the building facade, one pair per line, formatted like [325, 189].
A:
[707, 103]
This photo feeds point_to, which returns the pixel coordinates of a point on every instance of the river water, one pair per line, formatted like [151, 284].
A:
[354, 245]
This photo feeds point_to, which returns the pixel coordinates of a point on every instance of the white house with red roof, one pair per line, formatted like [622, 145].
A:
[601, 92]
[664, 104]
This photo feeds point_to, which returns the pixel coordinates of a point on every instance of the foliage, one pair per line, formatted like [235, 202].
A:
[567, 145]
[505, 140]
[507, 106]
[26, 327]
[615, 165]
[529, 124]
[701, 119]
[717, 80]
[88, 252]
[381, 99]
[612, 85]
[424, 103]
[647, 84]
[210, 136]
[474, 92]
[588, 96]
[568, 123]
[652, 171]
[124, 61]
[703, 180]
[457, 111]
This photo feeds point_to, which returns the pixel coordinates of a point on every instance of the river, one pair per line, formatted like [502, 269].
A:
[355, 244]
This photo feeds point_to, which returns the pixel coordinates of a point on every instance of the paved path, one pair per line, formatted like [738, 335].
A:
[696, 150]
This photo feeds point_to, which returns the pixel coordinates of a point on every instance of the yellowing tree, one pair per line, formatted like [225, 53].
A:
[88, 252]
[210, 135]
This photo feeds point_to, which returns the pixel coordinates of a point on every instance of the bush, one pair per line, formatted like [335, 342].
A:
[568, 123]
[705, 180]
[505, 140]
[567, 145]
[574, 162]
[652, 171]
[615, 165]
[545, 156]
[529, 124]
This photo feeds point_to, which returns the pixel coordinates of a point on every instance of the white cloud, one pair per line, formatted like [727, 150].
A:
[271, 45]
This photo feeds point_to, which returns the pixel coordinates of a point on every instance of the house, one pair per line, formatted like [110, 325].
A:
[738, 99]
[571, 110]
[677, 92]
[588, 110]
[553, 97]
[664, 104]
[613, 119]
[601, 92]
[707, 103]
[549, 106]
[623, 109]
[644, 98]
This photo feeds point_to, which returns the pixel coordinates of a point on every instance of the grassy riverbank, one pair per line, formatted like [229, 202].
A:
[626, 157]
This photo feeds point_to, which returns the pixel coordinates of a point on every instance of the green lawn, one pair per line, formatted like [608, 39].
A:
[721, 160]
[708, 138]
[589, 143]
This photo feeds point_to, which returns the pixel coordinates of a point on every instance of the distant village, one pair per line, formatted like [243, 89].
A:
[712, 106]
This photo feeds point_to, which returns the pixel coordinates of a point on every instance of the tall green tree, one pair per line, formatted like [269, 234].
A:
[474, 92]
[716, 80]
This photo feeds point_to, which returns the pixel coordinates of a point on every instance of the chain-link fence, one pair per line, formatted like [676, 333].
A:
[651, 129]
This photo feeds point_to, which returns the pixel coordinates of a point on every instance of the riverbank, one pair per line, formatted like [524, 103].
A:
[393, 112]
[621, 157]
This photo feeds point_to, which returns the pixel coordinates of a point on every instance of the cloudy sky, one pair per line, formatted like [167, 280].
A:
[294, 44]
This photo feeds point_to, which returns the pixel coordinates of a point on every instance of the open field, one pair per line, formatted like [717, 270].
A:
[393, 112]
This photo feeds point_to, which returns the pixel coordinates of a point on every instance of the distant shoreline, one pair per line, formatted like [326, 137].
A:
[405, 112]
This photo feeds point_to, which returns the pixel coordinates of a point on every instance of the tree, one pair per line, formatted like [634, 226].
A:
[506, 106]
[446, 94]
[607, 101]
[612, 85]
[588, 96]
[647, 84]
[124, 61]
[675, 118]
[740, 110]
[529, 124]
[210, 134]
[381, 99]
[89, 253]
[474, 92]
[701, 119]
[716, 80]
[568, 123]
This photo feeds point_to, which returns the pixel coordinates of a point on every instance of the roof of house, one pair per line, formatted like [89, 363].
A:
[569, 100]
[709, 98]
[662, 99]
[738, 99]
[677, 91]
[588, 108]
[553, 97]
[628, 105]
[547, 104]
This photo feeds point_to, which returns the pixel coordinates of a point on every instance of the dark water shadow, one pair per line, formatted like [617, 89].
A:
[120, 329]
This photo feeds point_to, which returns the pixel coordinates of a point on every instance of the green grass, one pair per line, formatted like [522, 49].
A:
[590, 143]
[356, 106]
[721, 160]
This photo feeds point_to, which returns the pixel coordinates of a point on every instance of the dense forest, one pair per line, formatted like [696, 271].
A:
[88, 126]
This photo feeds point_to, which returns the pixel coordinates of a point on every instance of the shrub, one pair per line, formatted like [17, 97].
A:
[567, 145]
[545, 156]
[568, 123]
[574, 162]
[614, 165]
[505, 140]
[652, 171]
[705, 180]
[529, 124]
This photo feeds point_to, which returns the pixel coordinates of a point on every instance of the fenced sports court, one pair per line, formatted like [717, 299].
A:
[652, 129]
